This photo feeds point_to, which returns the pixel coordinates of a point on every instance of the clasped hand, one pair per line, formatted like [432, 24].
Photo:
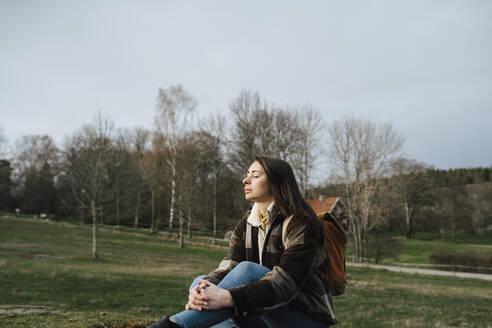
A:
[208, 296]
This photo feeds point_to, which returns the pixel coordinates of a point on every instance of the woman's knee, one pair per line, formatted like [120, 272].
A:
[244, 272]
[195, 281]
[247, 266]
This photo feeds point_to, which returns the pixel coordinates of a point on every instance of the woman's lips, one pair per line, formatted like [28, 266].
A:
[247, 190]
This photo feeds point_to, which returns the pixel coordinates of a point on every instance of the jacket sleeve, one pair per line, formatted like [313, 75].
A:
[237, 253]
[280, 286]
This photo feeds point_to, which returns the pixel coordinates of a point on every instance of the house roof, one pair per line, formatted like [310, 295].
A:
[323, 204]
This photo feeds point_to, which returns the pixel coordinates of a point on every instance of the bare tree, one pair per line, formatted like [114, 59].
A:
[3, 144]
[35, 166]
[292, 134]
[258, 127]
[247, 111]
[140, 146]
[174, 109]
[287, 136]
[411, 187]
[360, 152]
[152, 170]
[308, 128]
[189, 157]
[212, 135]
[85, 168]
[33, 151]
[118, 169]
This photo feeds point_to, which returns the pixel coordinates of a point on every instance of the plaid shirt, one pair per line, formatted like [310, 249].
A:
[295, 261]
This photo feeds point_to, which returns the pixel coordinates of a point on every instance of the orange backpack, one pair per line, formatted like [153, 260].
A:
[336, 244]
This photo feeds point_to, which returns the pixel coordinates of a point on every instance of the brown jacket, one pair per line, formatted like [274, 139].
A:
[295, 261]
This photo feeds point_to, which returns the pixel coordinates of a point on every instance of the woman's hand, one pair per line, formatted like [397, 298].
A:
[195, 299]
[216, 297]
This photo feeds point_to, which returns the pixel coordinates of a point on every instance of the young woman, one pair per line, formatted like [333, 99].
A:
[271, 276]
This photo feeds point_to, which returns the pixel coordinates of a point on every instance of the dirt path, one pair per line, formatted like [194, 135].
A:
[458, 274]
[7, 309]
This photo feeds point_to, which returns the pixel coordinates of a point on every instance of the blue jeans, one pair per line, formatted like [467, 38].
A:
[245, 272]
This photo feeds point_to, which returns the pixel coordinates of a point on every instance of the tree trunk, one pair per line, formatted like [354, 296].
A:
[304, 171]
[152, 217]
[214, 209]
[117, 203]
[359, 243]
[358, 246]
[181, 235]
[137, 208]
[94, 229]
[81, 213]
[453, 229]
[408, 220]
[189, 221]
[173, 193]
[355, 240]
[362, 244]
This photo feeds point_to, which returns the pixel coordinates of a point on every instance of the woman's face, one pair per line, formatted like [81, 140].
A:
[256, 187]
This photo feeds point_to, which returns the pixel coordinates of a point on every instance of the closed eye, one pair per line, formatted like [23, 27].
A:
[255, 176]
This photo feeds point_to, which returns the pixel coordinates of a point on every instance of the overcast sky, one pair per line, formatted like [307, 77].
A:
[425, 65]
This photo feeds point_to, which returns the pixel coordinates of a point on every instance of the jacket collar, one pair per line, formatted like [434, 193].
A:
[253, 219]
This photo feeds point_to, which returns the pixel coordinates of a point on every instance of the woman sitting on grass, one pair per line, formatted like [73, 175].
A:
[271, 276]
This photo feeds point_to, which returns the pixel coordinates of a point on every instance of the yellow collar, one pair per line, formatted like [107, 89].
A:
[263, 218]
[254, 215]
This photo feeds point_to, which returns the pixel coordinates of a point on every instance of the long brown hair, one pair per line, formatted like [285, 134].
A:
[287, 195]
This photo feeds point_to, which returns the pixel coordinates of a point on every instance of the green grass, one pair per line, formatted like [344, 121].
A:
[136, 275]
[460, 238]
[141, 276]
[418, 250]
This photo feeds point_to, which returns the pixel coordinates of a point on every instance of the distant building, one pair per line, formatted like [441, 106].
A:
[332, 205]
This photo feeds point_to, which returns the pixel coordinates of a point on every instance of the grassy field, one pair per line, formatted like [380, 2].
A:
[140, 276]
[418, 249]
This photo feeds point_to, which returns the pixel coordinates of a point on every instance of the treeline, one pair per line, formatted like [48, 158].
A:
[416, 197]
[460, 176]
[184, 173]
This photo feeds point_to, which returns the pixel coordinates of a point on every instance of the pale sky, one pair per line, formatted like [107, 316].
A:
[425, 66]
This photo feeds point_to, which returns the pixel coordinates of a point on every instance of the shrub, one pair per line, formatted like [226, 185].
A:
[472, 261]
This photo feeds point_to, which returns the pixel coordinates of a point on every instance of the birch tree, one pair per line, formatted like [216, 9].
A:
[173, 115]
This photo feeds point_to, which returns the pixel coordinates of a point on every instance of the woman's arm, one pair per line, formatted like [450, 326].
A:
[279, 286]
[237, 253]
